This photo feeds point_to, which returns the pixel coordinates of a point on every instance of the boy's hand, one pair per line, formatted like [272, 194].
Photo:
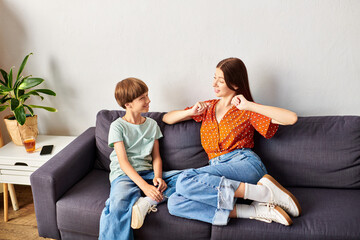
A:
[153, 193]
[160, 183]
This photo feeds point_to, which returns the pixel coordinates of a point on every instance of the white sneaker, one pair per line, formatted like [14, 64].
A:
[139, 211]
[280, 196]
[268, 212]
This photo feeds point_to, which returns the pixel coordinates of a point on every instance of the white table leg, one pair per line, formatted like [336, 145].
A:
[13, 198]
[5, 185]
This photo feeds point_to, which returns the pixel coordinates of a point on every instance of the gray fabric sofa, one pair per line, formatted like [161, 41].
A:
[317, 159]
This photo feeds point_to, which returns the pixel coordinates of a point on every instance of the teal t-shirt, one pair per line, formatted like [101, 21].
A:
[138, 141]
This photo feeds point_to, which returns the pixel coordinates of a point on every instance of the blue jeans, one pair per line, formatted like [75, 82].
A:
[115, 219]
[207, 193]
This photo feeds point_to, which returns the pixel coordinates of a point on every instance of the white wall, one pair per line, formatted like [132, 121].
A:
[302, 54]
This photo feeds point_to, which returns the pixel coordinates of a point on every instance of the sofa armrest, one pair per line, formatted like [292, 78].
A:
[57, 176]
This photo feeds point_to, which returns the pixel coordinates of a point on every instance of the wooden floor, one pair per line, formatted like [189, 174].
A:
[21, 223]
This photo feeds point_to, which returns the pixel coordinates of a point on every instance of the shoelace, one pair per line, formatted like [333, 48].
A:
[152, 209]
[265, 218]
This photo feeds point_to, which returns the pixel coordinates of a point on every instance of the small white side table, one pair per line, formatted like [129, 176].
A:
[16, 165]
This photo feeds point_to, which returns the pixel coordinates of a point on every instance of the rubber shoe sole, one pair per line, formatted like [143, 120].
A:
[285, 215]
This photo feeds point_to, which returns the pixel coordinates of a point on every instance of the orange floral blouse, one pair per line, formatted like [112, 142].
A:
[235, 130]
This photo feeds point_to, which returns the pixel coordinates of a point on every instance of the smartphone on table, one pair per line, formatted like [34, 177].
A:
[47, 149]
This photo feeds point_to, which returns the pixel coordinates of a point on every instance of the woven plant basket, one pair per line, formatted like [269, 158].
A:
[16, 130]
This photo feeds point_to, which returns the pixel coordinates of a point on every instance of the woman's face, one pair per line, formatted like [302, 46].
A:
[219, 84]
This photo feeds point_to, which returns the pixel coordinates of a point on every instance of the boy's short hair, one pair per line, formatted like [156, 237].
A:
[129, 89]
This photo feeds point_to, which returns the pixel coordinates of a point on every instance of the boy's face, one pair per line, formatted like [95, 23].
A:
[140, 104]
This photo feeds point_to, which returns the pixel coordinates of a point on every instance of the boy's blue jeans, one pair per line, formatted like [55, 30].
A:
[207, 193]
[115, 219]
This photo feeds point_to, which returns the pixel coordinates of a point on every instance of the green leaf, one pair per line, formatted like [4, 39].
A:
[30, 110]
[20, 81]
[5, 76]
[27, 95]
[50, 109]
[4, 99]
[20, 115]
[2, 108]
[20, 93]
[10, 76]
[22, 66]
[14, 104]
[30, 82]
[5, 89]
[44, 91]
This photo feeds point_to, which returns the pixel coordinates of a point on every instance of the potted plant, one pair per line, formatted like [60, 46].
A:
[14, 92]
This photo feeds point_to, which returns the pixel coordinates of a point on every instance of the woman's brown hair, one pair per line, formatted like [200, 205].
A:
[129, 89]
[236, 77]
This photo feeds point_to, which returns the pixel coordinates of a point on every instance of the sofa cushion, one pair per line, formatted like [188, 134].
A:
[180, 148]
[79, 211]
[162, 225]
[315, 152]
[327, 214]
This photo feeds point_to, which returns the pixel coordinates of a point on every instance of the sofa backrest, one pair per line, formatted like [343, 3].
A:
[180, 148]
[315, 152]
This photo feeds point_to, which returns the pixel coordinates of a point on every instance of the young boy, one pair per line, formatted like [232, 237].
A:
[136, 165]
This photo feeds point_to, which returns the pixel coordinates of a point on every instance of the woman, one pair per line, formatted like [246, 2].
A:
[209, 193]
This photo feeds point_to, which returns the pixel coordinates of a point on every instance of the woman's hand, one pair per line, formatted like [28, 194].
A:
[160, 183]
[152, 192]
[198, 108]
[240, 102]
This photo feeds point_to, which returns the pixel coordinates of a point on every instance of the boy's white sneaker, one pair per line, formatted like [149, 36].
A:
[268, 212]
[280, 196]
[139, 211]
